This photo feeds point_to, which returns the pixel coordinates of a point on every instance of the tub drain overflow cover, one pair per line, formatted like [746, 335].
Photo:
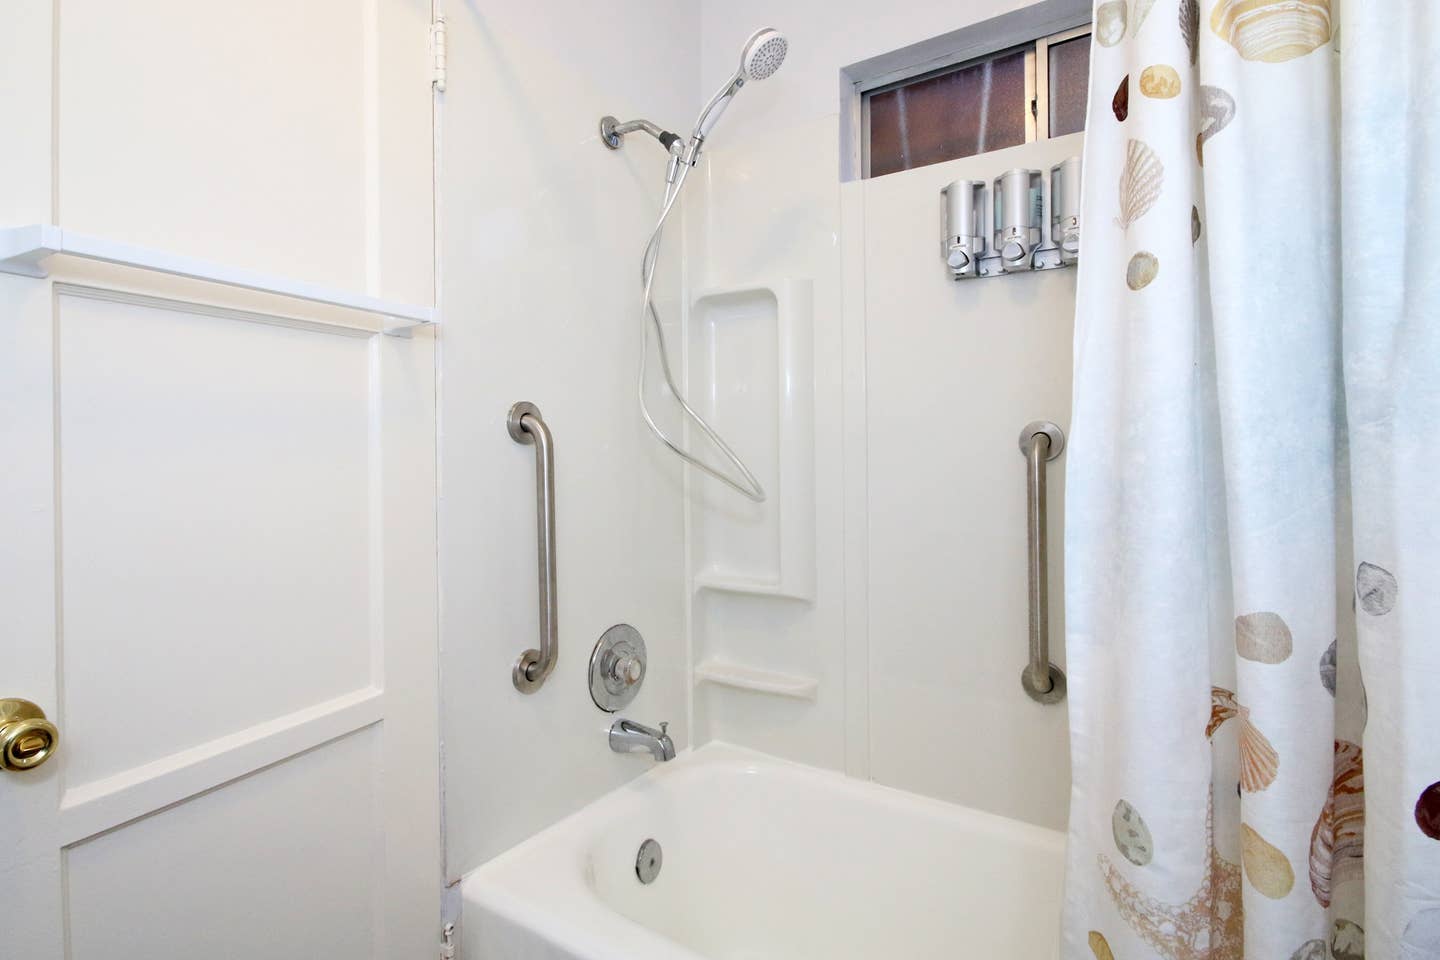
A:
[648, 861]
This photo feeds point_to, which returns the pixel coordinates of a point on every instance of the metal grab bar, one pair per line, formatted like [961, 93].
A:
[527, 426]
[1040, 441]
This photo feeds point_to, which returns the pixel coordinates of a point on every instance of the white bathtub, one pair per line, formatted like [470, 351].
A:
[770, 860]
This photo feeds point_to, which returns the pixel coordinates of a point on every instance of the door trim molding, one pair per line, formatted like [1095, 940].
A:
[100, 805]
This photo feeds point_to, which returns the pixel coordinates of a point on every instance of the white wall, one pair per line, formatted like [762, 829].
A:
[953, 372]
[918, 669]
[542, 231]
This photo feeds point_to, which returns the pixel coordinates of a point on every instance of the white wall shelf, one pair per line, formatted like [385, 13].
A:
[720, 583]
[25, 250]
[728, 674]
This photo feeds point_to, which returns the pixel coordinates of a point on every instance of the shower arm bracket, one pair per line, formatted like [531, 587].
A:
[612, 134]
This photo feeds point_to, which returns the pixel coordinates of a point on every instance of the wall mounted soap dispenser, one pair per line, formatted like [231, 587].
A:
[1065, 209]
[1019, 207]
[1018, 241]
[964, 242]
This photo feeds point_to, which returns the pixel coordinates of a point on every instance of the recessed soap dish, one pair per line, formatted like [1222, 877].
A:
[728, 674]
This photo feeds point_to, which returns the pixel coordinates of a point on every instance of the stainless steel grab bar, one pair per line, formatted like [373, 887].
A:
[527, 426]
[1040, 441]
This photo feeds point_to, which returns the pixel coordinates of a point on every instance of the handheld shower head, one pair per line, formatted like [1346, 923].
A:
[763, 54]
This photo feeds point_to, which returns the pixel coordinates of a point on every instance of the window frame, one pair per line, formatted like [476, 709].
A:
[1040, 105]
[1037, 86]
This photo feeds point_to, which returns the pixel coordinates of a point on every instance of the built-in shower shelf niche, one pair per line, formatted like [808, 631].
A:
[727, 674]
[751, 374]
[755, 588]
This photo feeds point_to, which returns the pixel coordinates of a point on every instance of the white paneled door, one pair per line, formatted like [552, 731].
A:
[217, 509]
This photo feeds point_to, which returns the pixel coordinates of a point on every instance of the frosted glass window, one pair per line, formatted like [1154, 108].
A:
[973, 109]
[1069, 84]
[1034, 91]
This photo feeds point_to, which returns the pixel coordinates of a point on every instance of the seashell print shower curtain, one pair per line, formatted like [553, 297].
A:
[1253, 488]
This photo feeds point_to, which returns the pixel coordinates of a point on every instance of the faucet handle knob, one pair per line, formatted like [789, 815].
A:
[664, 728]
[627, 670]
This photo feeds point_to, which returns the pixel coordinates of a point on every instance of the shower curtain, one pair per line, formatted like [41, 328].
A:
[1253, 506]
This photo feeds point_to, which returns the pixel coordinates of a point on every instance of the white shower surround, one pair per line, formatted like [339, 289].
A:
[767, 213]
[867, 872]
[920, 388]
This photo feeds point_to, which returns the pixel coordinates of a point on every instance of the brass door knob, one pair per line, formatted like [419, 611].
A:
[26, 738]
